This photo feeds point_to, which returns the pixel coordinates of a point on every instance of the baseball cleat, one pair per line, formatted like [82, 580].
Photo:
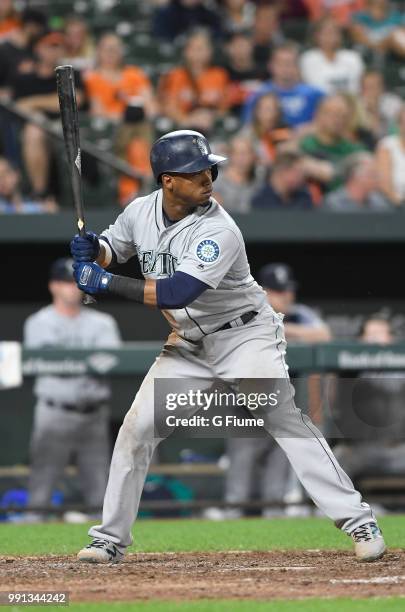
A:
[368, 541]
[100, 551]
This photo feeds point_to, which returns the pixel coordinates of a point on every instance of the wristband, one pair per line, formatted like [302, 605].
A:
[130, 288]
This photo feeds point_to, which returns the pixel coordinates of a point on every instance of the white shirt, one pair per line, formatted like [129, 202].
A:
[343, 73]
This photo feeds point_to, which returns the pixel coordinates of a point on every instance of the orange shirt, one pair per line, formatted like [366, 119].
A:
[8, 25]
[112, 97]
[208, 90]
[340, 10]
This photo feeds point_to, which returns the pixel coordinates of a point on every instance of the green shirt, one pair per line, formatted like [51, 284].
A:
[335, 154]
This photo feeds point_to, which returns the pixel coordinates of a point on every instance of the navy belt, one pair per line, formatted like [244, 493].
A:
[81, 408]
[240, 321]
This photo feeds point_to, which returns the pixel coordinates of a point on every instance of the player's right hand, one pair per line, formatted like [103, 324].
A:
[85, 248]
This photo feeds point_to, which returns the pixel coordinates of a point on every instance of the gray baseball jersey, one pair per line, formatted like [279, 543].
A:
[206, 244]
[90, 329]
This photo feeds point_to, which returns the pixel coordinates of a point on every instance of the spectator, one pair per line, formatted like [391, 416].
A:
[291, 9]
[267, 130]
[379, 28]
[266, 34]
[340, 11]
[71, 413]
[328, 142]
[328, 66]
[244, 76]
[236, 15]
[261, 460]
[12, 200]
[112, 85]
[9, 19]
[298, 100]
[35, 93]
[16, 53]
[378, 109]
[195, 94]
[236, 184]
[80, 47]
[391, 163]
[178, 17]
[123, 95]
[360, 191]
[285, 188]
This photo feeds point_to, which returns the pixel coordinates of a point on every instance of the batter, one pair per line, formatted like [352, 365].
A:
[195, 269]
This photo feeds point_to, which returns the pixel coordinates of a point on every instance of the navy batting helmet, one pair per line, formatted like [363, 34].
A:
[183, 151]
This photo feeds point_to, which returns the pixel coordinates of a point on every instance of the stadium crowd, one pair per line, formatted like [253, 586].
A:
[307, 124]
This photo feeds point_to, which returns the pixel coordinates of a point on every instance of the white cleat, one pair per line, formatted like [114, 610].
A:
[100, 551]
[368, 541]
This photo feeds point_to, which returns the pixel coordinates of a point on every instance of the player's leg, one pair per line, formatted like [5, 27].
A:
[93, 457]
[257, 350]
[274, 478]
[50, 448]
[133, 451]
[244, 455]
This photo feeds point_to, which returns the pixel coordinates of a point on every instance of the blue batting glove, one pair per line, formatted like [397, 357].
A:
[91, 278]
[85, 248]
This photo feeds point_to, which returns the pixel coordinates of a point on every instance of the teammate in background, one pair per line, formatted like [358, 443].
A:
[71, 413]
[373, 426]
[195, 270]
[301, 323]
[253, 457]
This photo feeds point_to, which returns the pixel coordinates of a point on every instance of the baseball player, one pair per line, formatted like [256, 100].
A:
[71, 412]
[195, 270]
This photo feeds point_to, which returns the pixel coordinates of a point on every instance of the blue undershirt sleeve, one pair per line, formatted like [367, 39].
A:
[178, 291]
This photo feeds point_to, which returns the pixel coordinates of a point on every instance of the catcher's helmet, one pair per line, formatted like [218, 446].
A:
[183, 151]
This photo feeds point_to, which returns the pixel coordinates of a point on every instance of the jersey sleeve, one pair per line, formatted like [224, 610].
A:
[211, 255]
[120, 236]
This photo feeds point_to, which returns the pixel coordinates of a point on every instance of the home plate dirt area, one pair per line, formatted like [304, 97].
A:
[216, 575]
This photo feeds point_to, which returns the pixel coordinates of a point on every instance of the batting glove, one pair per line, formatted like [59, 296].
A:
[91, 278]
[85, 248]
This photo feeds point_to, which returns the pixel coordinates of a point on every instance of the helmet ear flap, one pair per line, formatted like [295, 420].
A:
[214, 172]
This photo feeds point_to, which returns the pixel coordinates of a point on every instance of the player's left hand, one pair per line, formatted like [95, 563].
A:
[91, 278]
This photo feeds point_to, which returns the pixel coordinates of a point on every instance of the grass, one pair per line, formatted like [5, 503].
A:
[199, 535]
[196, 535]
[393, 604]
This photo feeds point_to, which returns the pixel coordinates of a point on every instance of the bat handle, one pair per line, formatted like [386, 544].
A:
[87, 298]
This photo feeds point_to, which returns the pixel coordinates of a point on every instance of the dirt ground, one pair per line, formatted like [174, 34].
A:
[237, 575]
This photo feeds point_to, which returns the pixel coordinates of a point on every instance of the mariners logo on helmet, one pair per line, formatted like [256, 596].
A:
[208, 251]
[202, 145]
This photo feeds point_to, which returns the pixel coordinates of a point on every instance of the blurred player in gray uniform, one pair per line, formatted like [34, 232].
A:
[71, 413]
[253, 457]
[195, 269]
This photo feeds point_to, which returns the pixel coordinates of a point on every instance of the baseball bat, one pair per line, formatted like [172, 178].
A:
[65, 84]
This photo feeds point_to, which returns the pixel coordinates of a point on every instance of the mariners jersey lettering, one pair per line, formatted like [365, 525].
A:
[206, 244]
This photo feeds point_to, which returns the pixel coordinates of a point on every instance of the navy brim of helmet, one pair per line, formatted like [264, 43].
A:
[196, 165]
